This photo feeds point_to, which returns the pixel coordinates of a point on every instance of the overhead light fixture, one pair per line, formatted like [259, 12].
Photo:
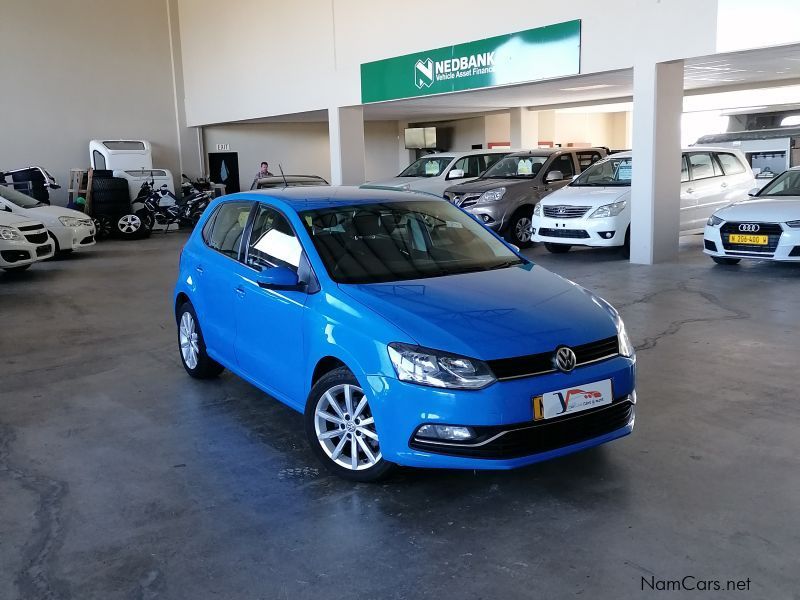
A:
[583, 88]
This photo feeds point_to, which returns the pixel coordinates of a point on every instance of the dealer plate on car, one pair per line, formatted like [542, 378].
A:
[571, 400]
[753, 240]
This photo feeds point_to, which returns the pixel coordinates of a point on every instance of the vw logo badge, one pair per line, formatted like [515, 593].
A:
[749, 227]
[564, 359]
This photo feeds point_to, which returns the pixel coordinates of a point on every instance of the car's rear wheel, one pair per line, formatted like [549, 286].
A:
[192, 346]
[557, 248]
[341, 428]
[721, 260]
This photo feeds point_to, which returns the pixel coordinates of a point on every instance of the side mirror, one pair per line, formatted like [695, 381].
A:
[278, 278]
[574, 177]
[754, 191]
[554, 176]
[455, 174]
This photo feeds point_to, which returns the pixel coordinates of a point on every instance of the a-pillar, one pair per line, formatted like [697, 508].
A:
[655, 186]
[524, 128]
[346, 135]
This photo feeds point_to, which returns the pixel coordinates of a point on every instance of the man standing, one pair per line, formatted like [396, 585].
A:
[262, 172]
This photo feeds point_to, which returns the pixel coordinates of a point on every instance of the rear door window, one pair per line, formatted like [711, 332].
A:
[731, 165]
[703, 166]
[228, 227]
[587, 158]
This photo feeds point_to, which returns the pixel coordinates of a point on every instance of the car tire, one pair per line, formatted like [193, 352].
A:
[192, 346]
[557, 248]
[133, 226]
[103, 227]
[625, 250]
[337, 429]
[519, 228]
[56, 246]
[721, 260]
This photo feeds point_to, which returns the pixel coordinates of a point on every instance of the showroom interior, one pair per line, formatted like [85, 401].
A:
[126, 126]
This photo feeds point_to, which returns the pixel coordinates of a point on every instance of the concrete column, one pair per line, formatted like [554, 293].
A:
[547, 125]
[656, 187]
[524, 128]
[346, 135]
[405, 157]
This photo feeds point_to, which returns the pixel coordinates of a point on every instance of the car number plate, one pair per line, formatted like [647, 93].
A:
[572, 400]
[755, 240]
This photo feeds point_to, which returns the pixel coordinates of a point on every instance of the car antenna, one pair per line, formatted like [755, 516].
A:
[286, 183]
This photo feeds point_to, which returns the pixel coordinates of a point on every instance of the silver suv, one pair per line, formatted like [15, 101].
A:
[504, 196]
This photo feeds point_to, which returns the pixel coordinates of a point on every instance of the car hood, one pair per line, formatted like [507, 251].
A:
[399, 182]
[490, 314]
[52, 213]
[483, 185]
[587, 196]
[15, 220]
[771, 209]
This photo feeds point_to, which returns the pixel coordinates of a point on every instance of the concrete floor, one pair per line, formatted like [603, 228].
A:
[120, 477]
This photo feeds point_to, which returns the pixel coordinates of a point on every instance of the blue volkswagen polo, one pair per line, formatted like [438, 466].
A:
[404, 331]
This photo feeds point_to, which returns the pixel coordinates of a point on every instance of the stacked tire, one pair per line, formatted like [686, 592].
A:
[111, 209]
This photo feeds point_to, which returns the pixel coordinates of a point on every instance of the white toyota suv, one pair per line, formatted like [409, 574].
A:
[594, 209]
[68, 229]
[22, 242]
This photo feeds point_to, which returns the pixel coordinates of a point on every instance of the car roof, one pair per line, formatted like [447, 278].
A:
[461, 153]
[689, 149]
[298, 199]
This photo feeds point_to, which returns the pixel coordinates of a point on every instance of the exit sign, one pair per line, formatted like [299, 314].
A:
[223, 147]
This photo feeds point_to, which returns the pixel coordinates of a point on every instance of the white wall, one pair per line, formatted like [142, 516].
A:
[381, 141]
[498, 128]
[73, 71]
[250, 55]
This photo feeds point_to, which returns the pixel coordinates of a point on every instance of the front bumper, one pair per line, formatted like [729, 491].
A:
[18, 253]
[491, 215]
[506, 406]
[74, 238]
[580, 232]
[787, 248]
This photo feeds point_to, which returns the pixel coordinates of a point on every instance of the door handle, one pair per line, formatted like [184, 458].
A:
[690, 190]
[723, 185]
[239, 291]
[199, 269]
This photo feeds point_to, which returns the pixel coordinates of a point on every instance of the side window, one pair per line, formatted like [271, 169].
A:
[564, 164]
[227, 228]
[490, 159]
[702, 165]
[272, 241]
[99, 160]
[684, 169]
[730, 164]
[587, 158]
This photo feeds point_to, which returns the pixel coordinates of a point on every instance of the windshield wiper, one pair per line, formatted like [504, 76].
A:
[505, 265]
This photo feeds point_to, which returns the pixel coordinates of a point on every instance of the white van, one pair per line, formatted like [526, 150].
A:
[131, 160]
[594, 209]
[434, 173]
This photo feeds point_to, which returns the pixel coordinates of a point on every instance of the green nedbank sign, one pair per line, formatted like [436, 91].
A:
[531, 55]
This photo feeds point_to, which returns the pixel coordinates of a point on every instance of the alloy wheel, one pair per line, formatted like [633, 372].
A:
[187, 334]
[345, 428]
[523, 229]
[129, 224]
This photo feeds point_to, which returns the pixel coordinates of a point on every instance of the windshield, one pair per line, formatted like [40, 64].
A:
[18, 198]
[396, 241]
[515, 167]
[611, 171]
[785, 184]
[427, 166]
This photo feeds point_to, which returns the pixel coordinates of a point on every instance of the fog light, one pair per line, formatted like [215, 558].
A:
[606, 235]
[453, 433]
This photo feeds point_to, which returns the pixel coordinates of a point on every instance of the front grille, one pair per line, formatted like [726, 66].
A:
[463, 200]
[773, 230]
[30, 227]
[709, 245]
[539, 364]
[525, 439]
[795, 251]
[42, 250]
[565, 212]
[37, 238]
[564, 233]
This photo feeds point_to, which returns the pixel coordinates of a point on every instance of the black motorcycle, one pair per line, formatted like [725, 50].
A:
[159, 206]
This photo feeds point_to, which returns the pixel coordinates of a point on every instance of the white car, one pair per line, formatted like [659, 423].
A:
[22, 242]
[434, 173]
[765, 228]
[69, 229]
[594, 209]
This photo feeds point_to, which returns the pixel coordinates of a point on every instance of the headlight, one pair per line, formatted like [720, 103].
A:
[625, 346]
[492, 195]
[609, 210]
[793, 223]
[69, 221]
[9, 233]
[439, 369]
[537, 210]
[714, 220]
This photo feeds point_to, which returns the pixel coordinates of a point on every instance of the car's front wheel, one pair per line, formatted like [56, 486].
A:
[341, 428]
[721, 260]
[520, 228]
[192, 346]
